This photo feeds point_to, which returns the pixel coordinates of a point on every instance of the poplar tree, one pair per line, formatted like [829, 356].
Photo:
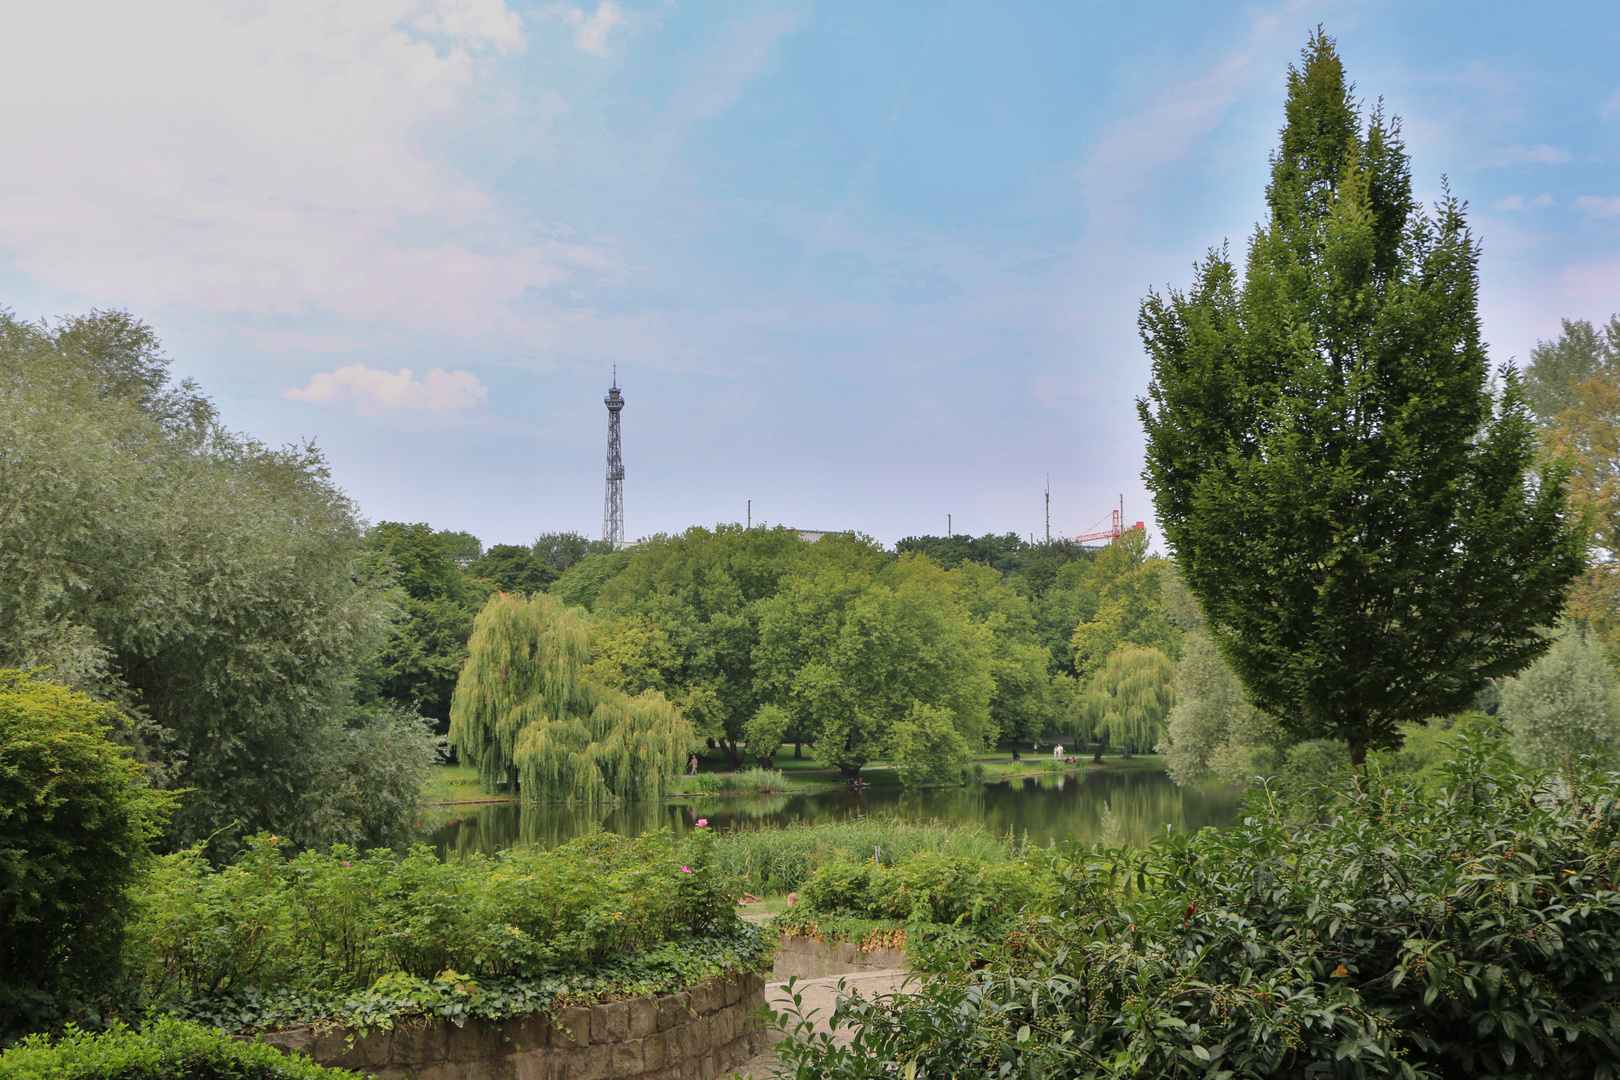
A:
[1356, 514]
[525, 713]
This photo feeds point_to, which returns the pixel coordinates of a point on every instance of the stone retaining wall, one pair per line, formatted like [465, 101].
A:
[698, 1034]
[815, 958]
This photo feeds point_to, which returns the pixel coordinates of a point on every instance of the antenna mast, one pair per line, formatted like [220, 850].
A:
[613, 508]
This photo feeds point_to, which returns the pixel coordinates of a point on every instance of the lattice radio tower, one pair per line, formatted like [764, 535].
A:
[613, 507]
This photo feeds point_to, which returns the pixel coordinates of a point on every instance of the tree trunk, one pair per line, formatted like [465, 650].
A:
[797, 756]
[1101, 746]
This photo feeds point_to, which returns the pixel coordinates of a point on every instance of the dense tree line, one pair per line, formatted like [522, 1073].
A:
[211, 587]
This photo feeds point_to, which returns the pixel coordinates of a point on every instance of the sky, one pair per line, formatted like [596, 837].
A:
[864, 264]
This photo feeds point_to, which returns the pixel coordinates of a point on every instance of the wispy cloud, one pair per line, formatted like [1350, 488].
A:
[1599, 206]
[264, 159]
[1540, 154]
[372, 391]
[590, 31]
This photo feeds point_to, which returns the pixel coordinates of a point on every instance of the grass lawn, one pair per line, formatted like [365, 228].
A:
[452, 783]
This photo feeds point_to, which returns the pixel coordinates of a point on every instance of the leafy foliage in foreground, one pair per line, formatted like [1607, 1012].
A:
[340, 921]
[947, 911]
[782, 860]
[1473, 933]
[449, 995]
[168, 1048]
[76, 823]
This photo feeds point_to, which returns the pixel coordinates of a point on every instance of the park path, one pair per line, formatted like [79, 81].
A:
[819, 996]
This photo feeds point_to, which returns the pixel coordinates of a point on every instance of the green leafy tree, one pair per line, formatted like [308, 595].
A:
[764, 732]
[1564, 705]
[582, 581]
[461, 548]
[1584, 436]
[1005, 553]
[702, 590]
[417, 666]
[511, 568]
[526, 715]
[209, 584]
[927, 747]
[1023, 704]
[852, 647]
[1357, 517]
[561, 550]
[1557, 367]
[1128, 585]
[77, 819]
[1127, 700]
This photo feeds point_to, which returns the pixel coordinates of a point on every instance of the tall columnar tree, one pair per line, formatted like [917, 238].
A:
[526, 715]
[1355, 513]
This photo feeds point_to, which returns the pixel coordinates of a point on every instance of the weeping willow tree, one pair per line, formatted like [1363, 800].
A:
[525, 714]
[1127, 700]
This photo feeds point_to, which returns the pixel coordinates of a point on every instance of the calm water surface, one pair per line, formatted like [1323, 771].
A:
[1047, 809]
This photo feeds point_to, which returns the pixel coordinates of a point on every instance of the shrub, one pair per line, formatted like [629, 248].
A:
[168, 1048]
[340, 920]
[926, 887]
[758, 781]
[76, 819]
[782, 860]
[1472, 933]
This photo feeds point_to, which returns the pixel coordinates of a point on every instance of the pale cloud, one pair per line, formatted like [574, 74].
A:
[1132, 156]
[1512, 202]
[1599, 206]
[1540, 154]
[372, 391]
[1611, 108]
[264, 159]
[590, 31]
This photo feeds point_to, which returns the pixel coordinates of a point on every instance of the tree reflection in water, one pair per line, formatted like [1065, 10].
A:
[1046, 809]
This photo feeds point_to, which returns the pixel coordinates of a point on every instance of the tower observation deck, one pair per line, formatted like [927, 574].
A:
[613, 503]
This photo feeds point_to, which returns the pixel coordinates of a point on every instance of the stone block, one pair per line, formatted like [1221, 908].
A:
[343, 1048]
[643, 1017]
[668, 1014]
[472, 1041]
[682, 1046]
[591, 1063]
[572, 1029]
[526, 1032]
[627, 1059]
[655, 1051]
[614, 1021]
[299, 1040]
[734, 989]
[419, 1042]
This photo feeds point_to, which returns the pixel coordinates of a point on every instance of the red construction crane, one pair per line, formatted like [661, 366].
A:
[1108, 535]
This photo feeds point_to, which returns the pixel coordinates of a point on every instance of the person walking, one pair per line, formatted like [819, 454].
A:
[691, 766]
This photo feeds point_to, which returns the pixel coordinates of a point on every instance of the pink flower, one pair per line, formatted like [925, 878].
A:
[345, 864]
[702, 821]
[686, 869]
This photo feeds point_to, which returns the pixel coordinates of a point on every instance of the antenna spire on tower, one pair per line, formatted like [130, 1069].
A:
[613, 503]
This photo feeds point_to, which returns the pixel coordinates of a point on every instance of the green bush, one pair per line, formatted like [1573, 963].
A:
[757, 781]
[76, 819]
[782, 860]
[926, 887]
[1471, 933]
[340, 920]
[167, 1049]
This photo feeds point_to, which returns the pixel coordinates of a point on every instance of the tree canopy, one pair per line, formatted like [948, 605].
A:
[527, 716]
[209, 584]
[1356, 514]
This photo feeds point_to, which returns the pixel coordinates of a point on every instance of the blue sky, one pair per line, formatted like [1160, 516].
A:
[866, 264]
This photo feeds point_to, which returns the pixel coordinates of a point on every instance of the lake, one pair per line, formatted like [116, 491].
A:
[1047, 809]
